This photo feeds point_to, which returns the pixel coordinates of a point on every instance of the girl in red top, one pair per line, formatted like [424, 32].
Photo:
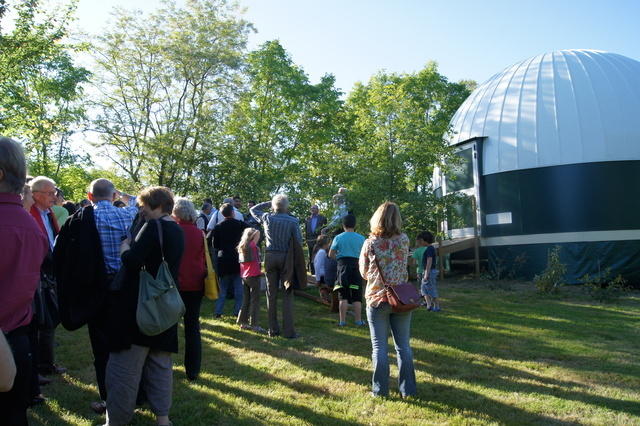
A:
[193, 271]
[250, 272]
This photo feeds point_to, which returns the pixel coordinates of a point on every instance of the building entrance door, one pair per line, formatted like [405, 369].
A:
[463, 179]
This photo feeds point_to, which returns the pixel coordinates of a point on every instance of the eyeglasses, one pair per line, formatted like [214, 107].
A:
[49, 193]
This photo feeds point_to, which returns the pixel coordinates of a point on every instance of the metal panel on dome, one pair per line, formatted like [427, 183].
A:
[565, 107]
[526, 137]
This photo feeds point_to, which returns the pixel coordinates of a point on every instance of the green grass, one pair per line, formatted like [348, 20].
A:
[490, 357]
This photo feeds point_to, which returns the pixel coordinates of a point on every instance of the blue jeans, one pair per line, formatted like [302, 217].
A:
[380, 320]
[226, 281]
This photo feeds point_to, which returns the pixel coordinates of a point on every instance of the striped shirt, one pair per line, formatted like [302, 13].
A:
[112, 224]
[278, 227]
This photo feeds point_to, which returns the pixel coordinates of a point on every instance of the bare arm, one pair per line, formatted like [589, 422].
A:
[427, 268]
[332, 253]
[427, 261]
[7, 365]
[363, 262]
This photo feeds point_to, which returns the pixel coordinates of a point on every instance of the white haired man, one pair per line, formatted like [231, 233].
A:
[44, 197]
[279, 228]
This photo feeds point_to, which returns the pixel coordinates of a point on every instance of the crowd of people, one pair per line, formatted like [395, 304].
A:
[83, 264]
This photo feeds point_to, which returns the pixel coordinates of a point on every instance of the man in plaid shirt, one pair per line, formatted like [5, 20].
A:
[112, 222]
[113, 225]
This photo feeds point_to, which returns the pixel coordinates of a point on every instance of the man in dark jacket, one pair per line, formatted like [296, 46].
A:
[87, 258]
[312, 227]
[226, 236]
[204, 216]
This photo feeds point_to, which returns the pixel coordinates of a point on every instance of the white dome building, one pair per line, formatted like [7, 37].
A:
[552, 154]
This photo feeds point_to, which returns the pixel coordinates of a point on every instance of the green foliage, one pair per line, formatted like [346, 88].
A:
[508, 269]
[40, 86]
[177, 102]
[602, 288]
[397, 123]
[167, 81]
[281, 133]
[553, 276]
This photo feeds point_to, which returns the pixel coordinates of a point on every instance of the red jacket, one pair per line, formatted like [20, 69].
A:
[35, 212]
[193, 268]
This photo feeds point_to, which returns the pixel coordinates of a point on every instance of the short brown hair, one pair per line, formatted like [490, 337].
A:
[322, 240]
[386, 221]
[13, 166]
[157, 196]
[227, 210]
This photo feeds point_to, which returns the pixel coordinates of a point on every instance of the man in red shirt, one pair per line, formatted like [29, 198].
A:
[23, 247]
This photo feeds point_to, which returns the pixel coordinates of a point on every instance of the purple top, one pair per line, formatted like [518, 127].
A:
[23, 247]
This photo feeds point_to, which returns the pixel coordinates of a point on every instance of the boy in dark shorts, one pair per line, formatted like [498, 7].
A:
[429, 288]
[346, 249]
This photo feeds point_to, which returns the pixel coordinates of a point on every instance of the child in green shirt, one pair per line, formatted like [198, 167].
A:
[421, 246]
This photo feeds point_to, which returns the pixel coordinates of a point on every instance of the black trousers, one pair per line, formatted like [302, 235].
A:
[46, 344]
[192, 341]
[310, 245]
[13, 404]
[34, 382]
[100, 348]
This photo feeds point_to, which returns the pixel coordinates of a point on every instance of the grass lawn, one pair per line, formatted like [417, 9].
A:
[490, 357]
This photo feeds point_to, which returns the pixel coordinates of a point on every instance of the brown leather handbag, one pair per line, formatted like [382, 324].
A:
[402, 297]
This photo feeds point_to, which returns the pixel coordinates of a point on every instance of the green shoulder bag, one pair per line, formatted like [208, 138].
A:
[160, 306]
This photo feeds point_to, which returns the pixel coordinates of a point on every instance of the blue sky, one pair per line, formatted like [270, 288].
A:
[353, 39]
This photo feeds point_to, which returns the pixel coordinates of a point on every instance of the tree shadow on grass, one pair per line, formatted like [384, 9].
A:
[455, 399]
[499, 338]
[509, 379]
[69, 395]
[298, 355]
[448, 399]
[504, 338]
[230, 372]
[290, 410]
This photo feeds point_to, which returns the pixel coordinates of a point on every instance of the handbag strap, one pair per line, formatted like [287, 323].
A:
[160, 237]
[206, 246]
[375, 259]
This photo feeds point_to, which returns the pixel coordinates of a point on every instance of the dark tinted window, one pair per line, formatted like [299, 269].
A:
[460, 214]
[461, 175]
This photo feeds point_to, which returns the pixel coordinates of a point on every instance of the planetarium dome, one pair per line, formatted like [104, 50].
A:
[550, 152]
[559, 108]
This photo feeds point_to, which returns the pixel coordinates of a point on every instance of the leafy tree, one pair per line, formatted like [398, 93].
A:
[166, 82]
[396, 139]
[40, 85]
[280, 131]
[74, 180]
[471, 85]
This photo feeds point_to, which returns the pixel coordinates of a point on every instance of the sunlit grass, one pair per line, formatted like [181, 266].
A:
[491, 357]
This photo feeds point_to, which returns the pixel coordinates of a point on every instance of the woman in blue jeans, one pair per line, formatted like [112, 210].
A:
[383, 259]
